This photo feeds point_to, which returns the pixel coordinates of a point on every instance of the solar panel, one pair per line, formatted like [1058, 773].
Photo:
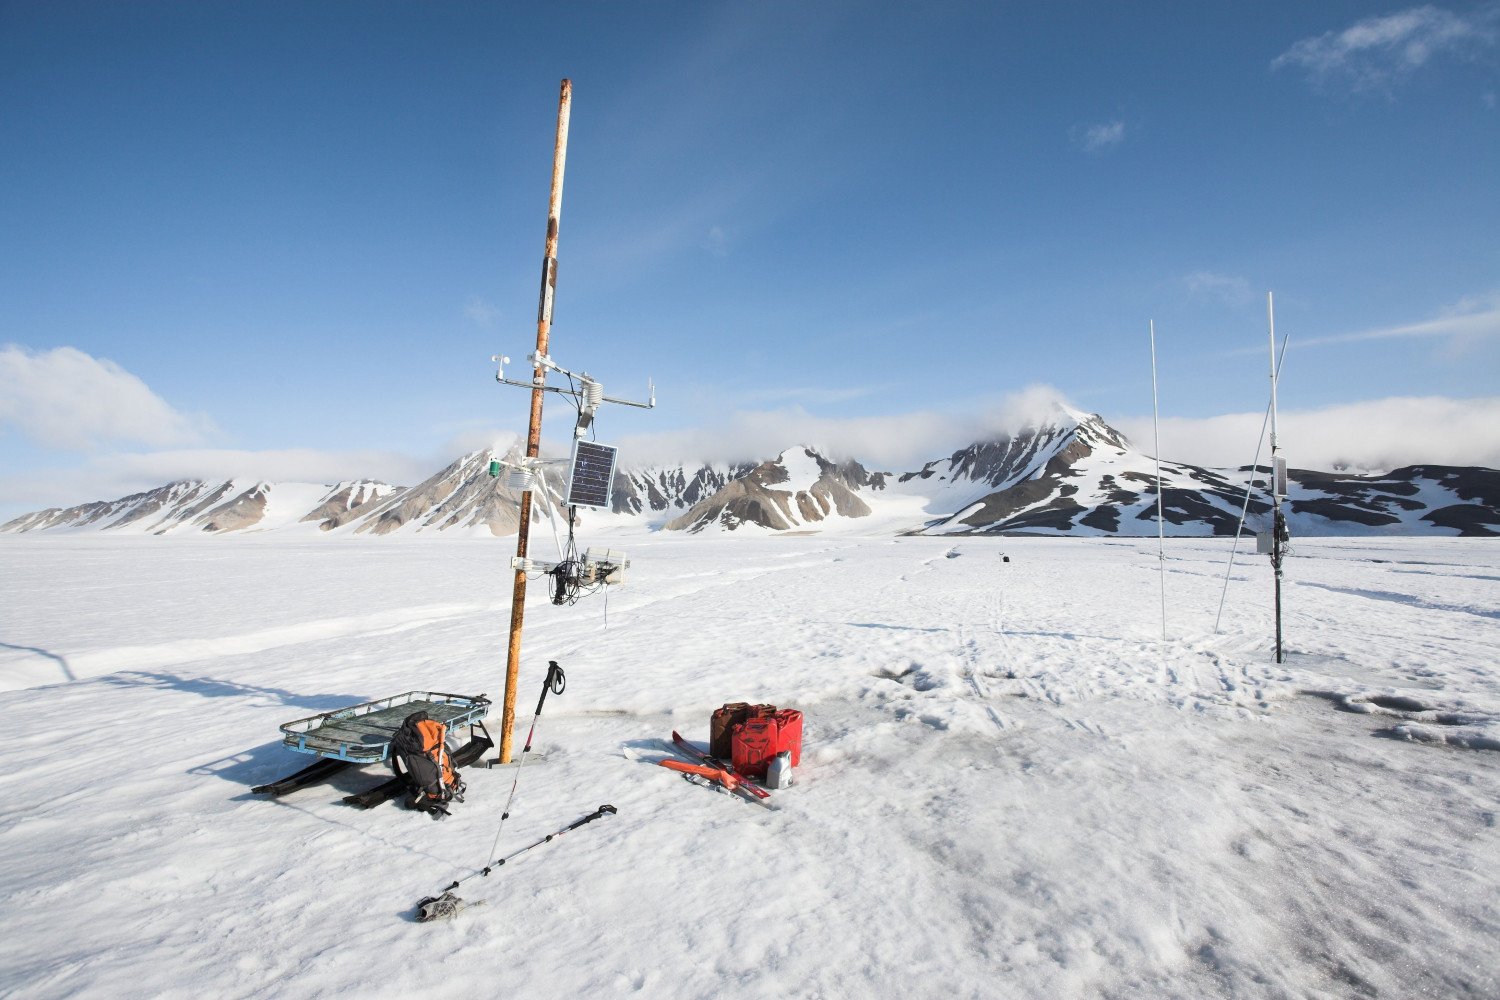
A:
[592, 478]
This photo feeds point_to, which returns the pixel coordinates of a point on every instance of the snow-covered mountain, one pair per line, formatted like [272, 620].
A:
[462, 495]
[194, 505]
[1086, 479]
[1078, 475]
[1072, 475]
[1004, 463]
[659, 493]
[796, 489]
[347, 501]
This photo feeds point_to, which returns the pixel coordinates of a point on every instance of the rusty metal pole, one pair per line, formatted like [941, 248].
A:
[534, 432]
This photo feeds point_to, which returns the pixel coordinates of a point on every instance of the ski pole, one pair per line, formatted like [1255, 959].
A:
[556, 682]
[448, 905]
[605, 810]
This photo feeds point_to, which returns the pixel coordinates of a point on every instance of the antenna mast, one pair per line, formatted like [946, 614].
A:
[534, 431]
[1161, 545]
[1279, 533]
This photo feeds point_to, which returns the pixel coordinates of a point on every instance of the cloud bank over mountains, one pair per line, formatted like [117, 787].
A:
[1073, 475]
[895, 441]
[68, 401]
[1374, 436]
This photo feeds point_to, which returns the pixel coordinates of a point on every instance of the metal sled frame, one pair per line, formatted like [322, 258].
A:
[361, 734]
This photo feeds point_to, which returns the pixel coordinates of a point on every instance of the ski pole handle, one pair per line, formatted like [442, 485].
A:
[601, 811]
[556, 682]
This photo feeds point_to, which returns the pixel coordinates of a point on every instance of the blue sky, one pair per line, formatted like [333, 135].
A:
[283, 239]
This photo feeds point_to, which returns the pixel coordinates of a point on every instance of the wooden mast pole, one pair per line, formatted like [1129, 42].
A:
[534, 430]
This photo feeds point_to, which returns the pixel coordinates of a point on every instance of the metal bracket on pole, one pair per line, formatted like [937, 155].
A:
[582, 392]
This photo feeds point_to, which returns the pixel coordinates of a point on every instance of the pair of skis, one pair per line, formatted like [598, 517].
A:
[712, 768]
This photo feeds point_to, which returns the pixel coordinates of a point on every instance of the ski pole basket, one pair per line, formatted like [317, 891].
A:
[362, 733]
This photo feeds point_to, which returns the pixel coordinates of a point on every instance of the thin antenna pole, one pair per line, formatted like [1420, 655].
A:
[1161, 544]
[1271, 329]
[1260, 441]
[1278, 524]
[534, 431]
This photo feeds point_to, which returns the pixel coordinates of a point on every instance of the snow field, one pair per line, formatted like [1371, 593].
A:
[1010, 787]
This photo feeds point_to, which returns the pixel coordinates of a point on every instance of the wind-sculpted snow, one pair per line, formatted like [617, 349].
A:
[1011, 784]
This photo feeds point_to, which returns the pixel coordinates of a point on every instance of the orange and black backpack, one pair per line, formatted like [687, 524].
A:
[419, 753]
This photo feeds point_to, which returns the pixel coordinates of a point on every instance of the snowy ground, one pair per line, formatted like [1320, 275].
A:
[1010, 787]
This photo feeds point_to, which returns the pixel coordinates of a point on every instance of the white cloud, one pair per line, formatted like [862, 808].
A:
[1233, 290]
[897, 443]
[66, 399]
[716, 242]
[808, 393]
[296, 465]
[1376, 52]
[754, 436]
[477, 437]
[1470, 321]
[1376, 435]
[1099, 138]
[108, 477]
[481, 312]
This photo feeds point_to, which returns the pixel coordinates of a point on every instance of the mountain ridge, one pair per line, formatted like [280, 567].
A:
[1073, 474]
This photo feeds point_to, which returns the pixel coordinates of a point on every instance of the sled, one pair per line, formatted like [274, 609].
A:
[361, 734]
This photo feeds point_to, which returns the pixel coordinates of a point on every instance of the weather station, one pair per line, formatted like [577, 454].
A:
[371, 732]
[589, 483]
[591, 465]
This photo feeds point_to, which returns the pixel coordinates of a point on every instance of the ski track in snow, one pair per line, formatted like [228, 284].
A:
[1011, 784]
[91, 663]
